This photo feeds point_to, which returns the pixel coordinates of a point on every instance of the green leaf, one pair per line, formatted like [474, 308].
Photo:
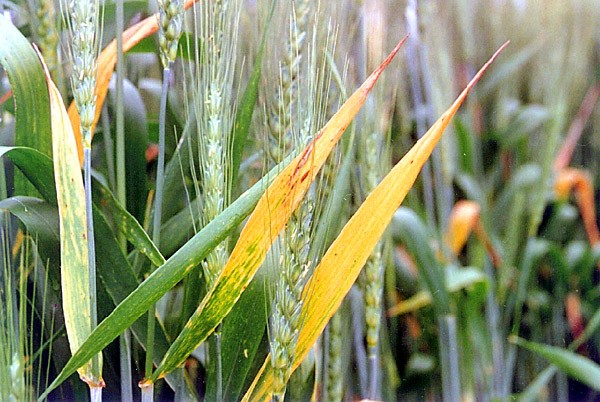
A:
[36, 167]
[119, 280]
[32, 105]
[165, 277]
[127, 224]
[574, 365]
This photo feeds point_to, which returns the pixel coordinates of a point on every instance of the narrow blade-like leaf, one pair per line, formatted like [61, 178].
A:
[32, 109]
[75, 277]
[268, 219]
[165, 277]
[579, 367]
[340, 266]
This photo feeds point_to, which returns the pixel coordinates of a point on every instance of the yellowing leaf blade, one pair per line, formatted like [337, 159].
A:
[268, 219]
[75, 278]
[343, 261]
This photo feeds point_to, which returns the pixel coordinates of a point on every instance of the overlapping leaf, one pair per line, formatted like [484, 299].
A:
[340, 266]
[26, 78]
[268, 219]
[165, 277]
[579, 367]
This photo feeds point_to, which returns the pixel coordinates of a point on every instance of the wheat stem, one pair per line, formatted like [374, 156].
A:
[170, 28]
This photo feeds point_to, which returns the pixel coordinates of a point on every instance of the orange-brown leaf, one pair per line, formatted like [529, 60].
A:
[580, 182]
[463, 220]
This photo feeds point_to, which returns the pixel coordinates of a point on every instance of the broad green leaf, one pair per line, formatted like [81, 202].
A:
[574, 365]
[456, 279]
[343, 261]
[41, 220]
[30, 95]
[165, 277]
[107, 61]
[75, 277]
[268, 219]
[118, 279]
[36, 167]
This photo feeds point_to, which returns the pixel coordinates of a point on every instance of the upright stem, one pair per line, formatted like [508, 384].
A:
[493, 320]
[157, 220]
[373, 372]
[125, 337]
[160, 169]
[219, 365]
[87, 173]
[449, 358]
[419, 104]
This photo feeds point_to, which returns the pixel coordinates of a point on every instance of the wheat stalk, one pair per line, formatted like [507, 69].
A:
[82, 18]
[212, 80]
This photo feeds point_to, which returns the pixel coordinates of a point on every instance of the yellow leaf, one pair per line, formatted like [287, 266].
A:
[74, 273]
[270, 215]
[343, 261]
[465, 218]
